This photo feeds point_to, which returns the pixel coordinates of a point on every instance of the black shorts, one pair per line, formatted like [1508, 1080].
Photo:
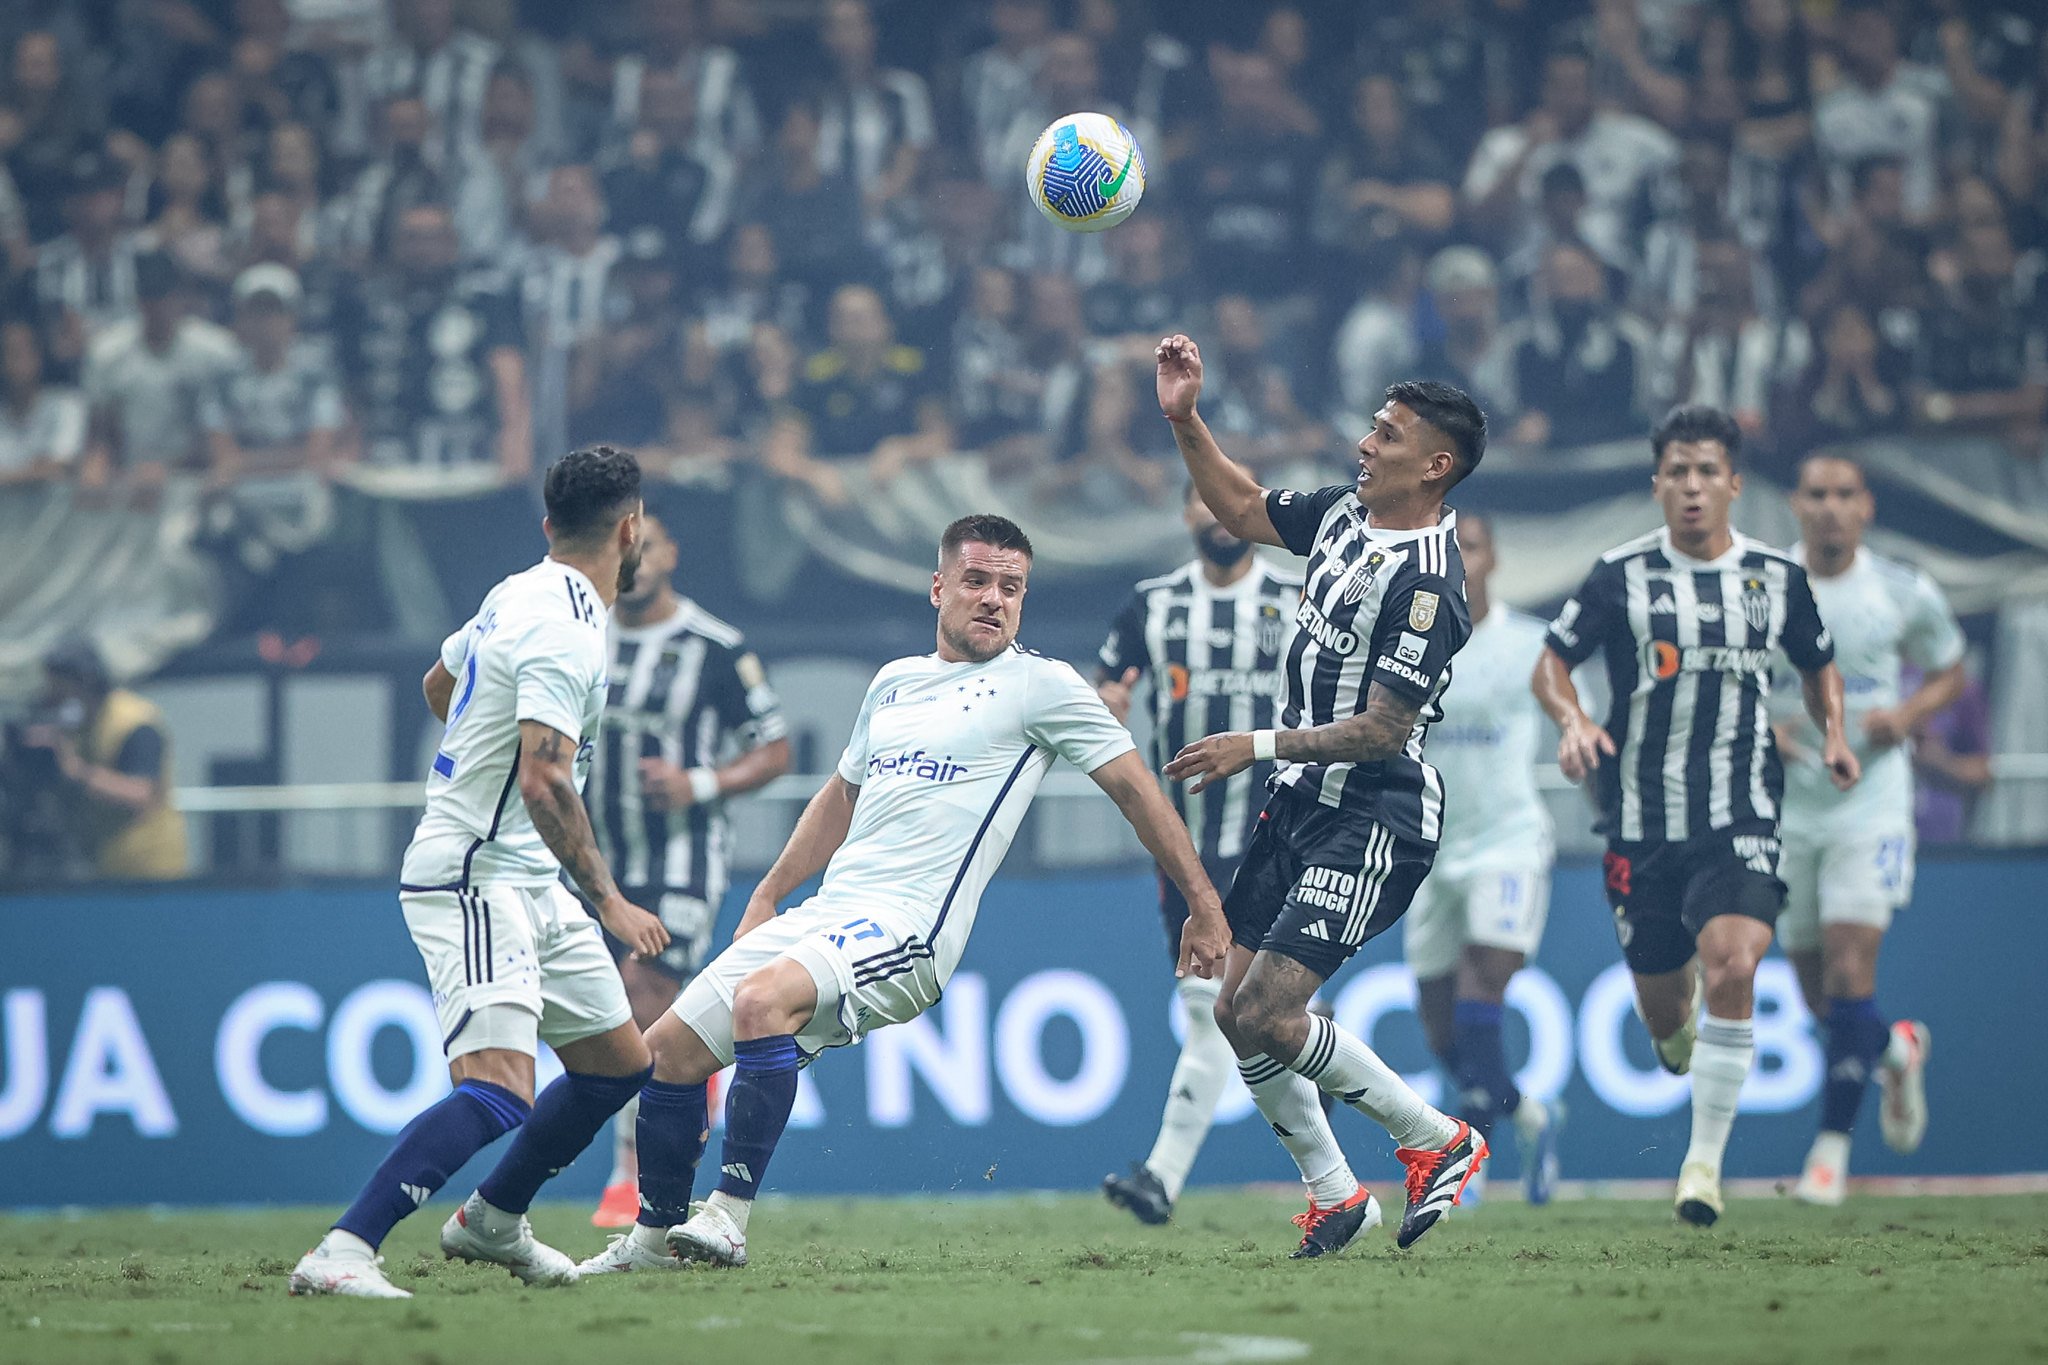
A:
[1317, 884]
[688, 919]
[1173, 907]
[1663, 894]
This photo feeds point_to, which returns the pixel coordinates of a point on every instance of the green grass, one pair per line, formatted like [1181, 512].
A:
[1069, 1279]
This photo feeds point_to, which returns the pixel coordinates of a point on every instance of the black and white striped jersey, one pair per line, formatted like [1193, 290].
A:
[686, 690]
[1379, 608]
[1213, 657]
[1688, 646]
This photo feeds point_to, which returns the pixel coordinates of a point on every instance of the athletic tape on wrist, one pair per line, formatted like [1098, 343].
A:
[1264, 745]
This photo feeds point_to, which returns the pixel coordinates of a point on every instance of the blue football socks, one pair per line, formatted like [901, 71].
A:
[1857, 1035]
[763, 1093]
[1486, 1086]
[673, 1127]
[432, 1148]
[566, 1117]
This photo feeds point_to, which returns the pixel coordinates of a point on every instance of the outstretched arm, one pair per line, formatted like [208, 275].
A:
[1230, 491]
[547, 783]
[819, 832]
[1205, 939]
[1372, 736]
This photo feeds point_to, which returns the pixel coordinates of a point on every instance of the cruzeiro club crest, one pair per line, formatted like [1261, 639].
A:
[1362, 577]
[1079, 181]
[1756, 603]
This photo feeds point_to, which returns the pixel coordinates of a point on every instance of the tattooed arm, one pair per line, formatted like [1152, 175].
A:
[547, 783]
[1379, 732]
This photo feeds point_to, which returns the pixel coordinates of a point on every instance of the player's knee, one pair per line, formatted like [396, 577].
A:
[765, 1004]
[1264, 1020]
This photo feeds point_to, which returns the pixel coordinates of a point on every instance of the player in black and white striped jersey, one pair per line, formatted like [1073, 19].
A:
[1210, 638]
[1355, 814]
[1689, 620]
[690, 721]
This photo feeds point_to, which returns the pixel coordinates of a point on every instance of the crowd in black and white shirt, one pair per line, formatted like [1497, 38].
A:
[466, 233]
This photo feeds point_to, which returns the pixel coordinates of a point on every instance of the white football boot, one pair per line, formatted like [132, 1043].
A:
[629, 1251]
[1903, 1110]
[343, 1265]
[1698, 1200]
[1825, 1181]
[465, 1237]
[710, 1237]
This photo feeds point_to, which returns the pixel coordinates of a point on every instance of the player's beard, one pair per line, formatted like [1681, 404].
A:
[971, 649]
[1221, 548]
[629, 571]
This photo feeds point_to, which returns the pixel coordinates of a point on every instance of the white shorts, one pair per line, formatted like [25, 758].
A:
[871, 968]
[1497, 906]
[1860, 879]
[532, 948]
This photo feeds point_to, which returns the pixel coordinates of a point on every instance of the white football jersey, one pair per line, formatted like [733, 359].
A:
[535, 650]
[1486, 745]
[1882, 614]
[947, 757]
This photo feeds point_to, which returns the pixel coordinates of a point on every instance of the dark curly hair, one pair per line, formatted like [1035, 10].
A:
[587, 491]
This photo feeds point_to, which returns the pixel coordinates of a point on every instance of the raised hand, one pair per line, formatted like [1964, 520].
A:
[1180, 376]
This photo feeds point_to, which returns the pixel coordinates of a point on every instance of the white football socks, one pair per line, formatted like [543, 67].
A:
[1720, 1064]
[626, 1145]
[1206, 1065]
[1341, 1063]
[1289, 1103]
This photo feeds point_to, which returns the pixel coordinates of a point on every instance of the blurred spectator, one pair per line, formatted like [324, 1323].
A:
[288, 83]
[278, 409]
[813, 214]
[429, 57]
[1450, 67]
[1058, 373]
[563, 282]
[1692, 205]
[294, 170]
[755, 292]
[1582, 367]
[1149, 287]
[666, 179]
[1983, 353]
[621, 383]
[874, 124]
[1952, 762]
[1470, 349]
[85, 279]
[147, 380]
[1723, 352]
[212, 114]
[1879, 275]
[107, 770]
[1069, 78]
[1771, 59]
[434, 355]
[17, 249]
[1884, 106]
[1614, 153]
[1377, 342]
[1856, 386]
[42, 429]
[2022, 156]
[1252, 180]
[862, 397]
[188, 211]
[725, 120]
[992, 397]
[1248, 396]
[48, 118]
[1560, 220]
[495, 178]
[403, 175]
[280, 233]
[996, 82]
[1385, 176]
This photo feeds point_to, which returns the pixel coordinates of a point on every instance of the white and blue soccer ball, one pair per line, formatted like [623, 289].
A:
[1086, 172]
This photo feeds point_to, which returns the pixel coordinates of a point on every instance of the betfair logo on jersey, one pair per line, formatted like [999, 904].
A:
[1325, 633]
[918, 764]
[1663, 659]
[1325, 888]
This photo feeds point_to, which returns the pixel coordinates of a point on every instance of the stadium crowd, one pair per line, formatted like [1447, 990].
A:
[258, 236]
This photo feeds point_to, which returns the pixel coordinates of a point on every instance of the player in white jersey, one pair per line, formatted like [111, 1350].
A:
[947, 751]
[512, 958]
[1479, 915]
[1848, 856]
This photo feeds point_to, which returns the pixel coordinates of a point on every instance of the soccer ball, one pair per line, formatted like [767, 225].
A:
[1086, 172]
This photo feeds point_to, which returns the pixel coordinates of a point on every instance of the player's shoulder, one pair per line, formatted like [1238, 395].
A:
[1756, 555]
[1648, 543]
[1434, 553]
[1175, 580]
[551, 600]
[1899, 576]
[697, 621]
[1280, 577]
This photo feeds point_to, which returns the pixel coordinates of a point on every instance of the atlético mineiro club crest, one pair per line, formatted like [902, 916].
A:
[1362, 577]
[1756, 603]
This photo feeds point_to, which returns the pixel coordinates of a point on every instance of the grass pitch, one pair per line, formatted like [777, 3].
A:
[1068, 1279]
